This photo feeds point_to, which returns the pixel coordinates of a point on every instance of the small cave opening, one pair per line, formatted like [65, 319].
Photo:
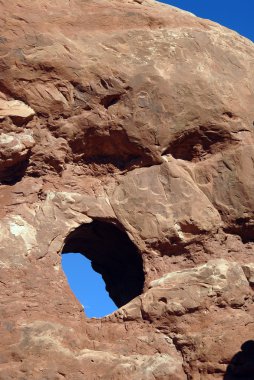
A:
[13, 174]
[109, 100]
[113, 255]
[242, 227]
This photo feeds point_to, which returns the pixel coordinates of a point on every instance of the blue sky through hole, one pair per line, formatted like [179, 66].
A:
[87, 285]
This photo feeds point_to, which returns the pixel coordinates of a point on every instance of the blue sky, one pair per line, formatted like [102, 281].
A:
[234, 14]
[86, 284]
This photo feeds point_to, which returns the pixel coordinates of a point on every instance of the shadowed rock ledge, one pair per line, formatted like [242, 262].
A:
[126, 134]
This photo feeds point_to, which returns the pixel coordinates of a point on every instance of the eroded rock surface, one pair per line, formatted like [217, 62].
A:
[125, 123]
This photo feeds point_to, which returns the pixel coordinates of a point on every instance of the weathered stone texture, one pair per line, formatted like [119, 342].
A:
[137, 115]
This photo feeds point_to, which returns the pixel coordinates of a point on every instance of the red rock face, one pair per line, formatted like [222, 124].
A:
[126, 134]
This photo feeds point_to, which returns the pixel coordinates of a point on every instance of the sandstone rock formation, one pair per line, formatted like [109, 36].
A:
[127, 135]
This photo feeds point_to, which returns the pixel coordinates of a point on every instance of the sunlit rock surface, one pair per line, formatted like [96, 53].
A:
[139, 115]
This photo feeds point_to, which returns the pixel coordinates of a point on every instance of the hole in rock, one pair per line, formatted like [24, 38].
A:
[241, 365]
[244, 228]
[87, 285]
[13, 174]
[113, 255]
[110, 100]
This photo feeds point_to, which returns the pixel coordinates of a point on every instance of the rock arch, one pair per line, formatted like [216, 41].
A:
[113, 255]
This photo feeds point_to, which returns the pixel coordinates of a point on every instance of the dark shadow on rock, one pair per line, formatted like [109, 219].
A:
[12, 175]
[242, 364]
